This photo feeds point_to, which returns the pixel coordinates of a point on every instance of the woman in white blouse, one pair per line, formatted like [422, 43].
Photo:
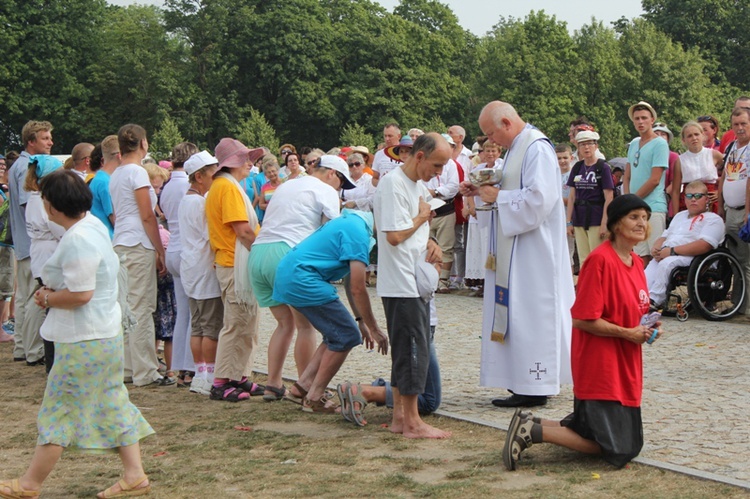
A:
[137, 240]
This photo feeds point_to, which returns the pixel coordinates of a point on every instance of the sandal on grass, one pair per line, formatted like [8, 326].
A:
[276, 393]
[185, 379]
[254, 389]
[228, 393]
[321, 406]
[341, 392]
[127, 489]
[15, 491]
[303, 393]
[352, 398]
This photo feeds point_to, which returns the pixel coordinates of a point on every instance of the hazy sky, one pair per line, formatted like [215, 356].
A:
[479, 16]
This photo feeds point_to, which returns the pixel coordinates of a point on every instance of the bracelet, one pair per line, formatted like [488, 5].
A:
[46, 300]
[569, 224]
[434, 239]
[358, 319]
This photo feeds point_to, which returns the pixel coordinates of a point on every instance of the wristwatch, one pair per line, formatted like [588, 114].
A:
[672, 252]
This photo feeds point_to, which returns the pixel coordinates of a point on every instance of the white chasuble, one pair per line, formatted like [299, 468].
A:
[534, 358]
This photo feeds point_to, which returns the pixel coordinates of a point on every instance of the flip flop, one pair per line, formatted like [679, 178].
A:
[355, 415]
[341, 392]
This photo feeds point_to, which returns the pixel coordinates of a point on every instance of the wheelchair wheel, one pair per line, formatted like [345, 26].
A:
[716, 285]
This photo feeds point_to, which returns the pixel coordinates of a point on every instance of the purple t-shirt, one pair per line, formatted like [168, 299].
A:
[589, 183]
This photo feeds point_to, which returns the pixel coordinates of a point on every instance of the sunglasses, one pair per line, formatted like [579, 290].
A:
[355, 164]
[341, 178]
[708, 119]
[637, 157]
[286, 151]
[696, 196]
[311, 162]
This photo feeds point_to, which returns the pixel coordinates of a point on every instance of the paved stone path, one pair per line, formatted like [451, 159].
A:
[696, 384]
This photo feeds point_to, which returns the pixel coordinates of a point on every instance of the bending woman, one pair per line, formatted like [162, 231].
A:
[85, 404]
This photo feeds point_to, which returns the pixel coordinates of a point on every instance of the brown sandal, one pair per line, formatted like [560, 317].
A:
[320, 406]
[127, 489]
[16, 491]
[303, 393]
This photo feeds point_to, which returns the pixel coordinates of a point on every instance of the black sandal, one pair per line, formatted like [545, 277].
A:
[228, 393]
[276, 393]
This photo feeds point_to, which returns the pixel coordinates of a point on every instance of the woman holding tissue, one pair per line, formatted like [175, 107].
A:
[611, 308]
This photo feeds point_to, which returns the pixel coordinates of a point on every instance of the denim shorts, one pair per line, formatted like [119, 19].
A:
[338, 327]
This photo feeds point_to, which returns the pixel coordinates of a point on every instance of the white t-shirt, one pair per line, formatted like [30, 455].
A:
[43, 233]
[735, 176]
[196, 257]
[83, 261]
[125, 180]
[396, 204]
[383, 164]
[169, 201]
[684, 230]
[296, 211]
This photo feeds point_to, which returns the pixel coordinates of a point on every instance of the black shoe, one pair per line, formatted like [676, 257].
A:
[517, 400]
[39, 362]
[19, 359]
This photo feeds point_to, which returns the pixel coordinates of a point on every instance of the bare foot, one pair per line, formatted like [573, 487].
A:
[397, 426]
[117, 488]
[424, 430]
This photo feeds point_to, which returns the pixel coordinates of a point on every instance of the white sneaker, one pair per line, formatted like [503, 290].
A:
[200, 385]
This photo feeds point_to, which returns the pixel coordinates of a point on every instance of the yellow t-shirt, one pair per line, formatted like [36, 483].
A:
[224, 205]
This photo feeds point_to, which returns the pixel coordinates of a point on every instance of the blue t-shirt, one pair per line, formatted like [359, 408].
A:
[304, 274]
[642, 159]
[101, 205]
[258, 181]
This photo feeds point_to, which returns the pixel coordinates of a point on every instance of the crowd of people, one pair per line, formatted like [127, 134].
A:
[117, 258]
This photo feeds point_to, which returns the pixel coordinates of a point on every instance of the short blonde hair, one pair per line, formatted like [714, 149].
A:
[31, 128]
[155, 171]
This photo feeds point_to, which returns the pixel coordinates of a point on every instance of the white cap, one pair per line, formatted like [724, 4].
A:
[338, 164]
[198, 161]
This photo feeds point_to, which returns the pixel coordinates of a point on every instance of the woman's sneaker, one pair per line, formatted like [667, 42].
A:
[200, 385]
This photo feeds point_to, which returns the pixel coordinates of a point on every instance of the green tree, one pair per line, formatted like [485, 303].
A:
[255, 131]
[431, 124]
[531, 64]
[134, 77]
[355, 134]
[45, 48]
[717, 27]
[164, 139]
[656, 69]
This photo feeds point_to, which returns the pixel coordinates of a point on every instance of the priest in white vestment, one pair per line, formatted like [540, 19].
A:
[527, 325]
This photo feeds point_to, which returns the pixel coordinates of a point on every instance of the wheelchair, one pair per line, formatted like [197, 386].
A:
[713, 285]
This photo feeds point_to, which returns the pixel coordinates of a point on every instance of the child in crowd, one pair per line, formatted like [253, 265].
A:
[164, 316]
[196, 270]
[564, 156]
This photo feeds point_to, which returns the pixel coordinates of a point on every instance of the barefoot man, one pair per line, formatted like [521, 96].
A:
[401, 217]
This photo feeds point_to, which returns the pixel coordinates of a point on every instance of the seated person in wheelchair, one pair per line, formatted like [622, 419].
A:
[693, 232]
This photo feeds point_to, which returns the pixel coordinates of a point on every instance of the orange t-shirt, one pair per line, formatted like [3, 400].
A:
[224, 205]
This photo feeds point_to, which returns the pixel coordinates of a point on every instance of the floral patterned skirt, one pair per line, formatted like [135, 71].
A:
[86, 404]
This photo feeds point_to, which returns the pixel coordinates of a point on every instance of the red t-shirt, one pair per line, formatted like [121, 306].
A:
[609, 368]
[726, 139]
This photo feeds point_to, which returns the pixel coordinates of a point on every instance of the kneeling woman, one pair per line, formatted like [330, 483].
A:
[607, 337]
[85, 403]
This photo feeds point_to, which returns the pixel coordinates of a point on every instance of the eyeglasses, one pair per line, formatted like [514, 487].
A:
[355, 164]
[696, 196]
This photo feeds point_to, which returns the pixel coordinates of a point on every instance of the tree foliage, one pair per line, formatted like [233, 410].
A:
[355, 134]
[255, 131]
[327, 72]
[164, 139]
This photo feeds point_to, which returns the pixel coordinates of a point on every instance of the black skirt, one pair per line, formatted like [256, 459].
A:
[617, 429]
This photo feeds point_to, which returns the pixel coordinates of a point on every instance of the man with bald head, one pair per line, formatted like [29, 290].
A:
[402, 217]
[80, 159]
[527, 325]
